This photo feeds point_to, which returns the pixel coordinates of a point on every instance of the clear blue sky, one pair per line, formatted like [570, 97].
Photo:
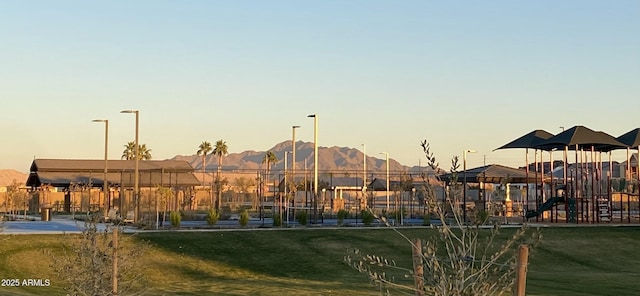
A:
[387, 74]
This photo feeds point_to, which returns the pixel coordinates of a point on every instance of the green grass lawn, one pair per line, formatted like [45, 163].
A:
[570, 261]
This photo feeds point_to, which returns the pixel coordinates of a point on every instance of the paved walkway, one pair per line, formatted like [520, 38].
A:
[65, 224]
[57, 225]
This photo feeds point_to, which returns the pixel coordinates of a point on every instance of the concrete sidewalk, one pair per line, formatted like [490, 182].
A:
[57, 225]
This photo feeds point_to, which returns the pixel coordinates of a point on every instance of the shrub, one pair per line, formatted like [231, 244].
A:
[244, 218]
[341, 215]
[175, 217]
[302, 217]
[426, 219]
[276, 220]
[481, 217]
[212, 216]
[367, 217]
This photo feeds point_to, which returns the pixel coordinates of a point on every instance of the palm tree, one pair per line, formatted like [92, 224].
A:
[130, 148]
[220, 150]
[129, 151]
[269, 159]
[203, 150]
[145, 154]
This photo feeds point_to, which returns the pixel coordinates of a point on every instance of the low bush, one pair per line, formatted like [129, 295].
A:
[276, 220]
[244, 218]
[342, 214]
[175, 217]
[212, 216]
[367, 217]
[302, 217]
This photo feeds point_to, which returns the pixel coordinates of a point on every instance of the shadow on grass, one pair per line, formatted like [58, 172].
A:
[279, 257]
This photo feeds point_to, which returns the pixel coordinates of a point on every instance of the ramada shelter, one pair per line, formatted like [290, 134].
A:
[70, 185]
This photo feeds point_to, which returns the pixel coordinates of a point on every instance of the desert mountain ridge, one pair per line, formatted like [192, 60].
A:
[7, 176]
[329, 159]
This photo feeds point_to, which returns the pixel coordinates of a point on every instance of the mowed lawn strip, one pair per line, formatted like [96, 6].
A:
[570, 261]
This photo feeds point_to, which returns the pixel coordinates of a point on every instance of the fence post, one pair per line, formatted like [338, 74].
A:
[418, 266]
[521, 270]
[114, 276]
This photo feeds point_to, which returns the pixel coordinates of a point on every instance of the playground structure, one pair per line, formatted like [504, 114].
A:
[587, 191]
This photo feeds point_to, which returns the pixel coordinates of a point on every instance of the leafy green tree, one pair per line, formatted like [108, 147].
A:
[221, 149]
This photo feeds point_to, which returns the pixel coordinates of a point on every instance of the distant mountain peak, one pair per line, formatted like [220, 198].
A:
[334, 158]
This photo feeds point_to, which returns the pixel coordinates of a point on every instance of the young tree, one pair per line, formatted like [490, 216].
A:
[87, 266]
[459, 259]
[220, 150]
[269, 159]
[165, 195]
[16, 198]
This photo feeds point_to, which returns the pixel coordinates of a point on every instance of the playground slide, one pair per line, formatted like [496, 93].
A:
[547, 205]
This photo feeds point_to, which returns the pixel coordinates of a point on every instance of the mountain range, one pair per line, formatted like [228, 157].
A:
[7, 176]
[329, 159]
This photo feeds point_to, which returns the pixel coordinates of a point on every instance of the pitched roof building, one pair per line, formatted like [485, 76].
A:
[64, 172]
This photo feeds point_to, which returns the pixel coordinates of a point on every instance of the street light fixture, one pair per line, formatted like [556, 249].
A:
[136, 184]
[387, 161]
[106, 203]
[464, 184]
[315, 165]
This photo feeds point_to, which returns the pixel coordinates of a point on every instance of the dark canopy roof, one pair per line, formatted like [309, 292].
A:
[631, 139]
[529, 140]
[493, 173]
[580, 137]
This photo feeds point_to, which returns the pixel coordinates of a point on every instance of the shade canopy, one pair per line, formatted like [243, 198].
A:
[631, 139]
[580, 137]
[529, 140]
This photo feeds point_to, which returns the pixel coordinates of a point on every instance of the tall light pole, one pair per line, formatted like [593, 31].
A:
[387, 161]
[293, 161]
[286, 189]
[136, 184]
[464, 184]
[315, 165]
[105, 188]
[364, 173]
